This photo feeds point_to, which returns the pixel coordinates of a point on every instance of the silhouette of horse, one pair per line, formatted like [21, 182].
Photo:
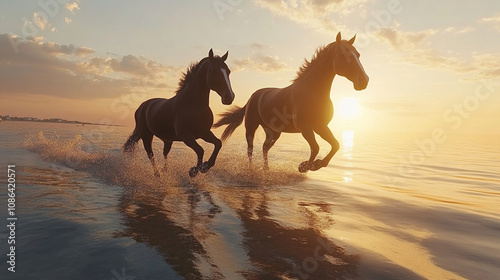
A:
[186, 116]
[302, 107]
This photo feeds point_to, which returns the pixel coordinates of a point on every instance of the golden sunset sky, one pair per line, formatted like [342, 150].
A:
[432, 64]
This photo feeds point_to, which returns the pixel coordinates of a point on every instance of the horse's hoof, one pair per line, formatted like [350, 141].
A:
[317, 164]
[304, 166]
[266, 167]
[205, 167]
[193, 171]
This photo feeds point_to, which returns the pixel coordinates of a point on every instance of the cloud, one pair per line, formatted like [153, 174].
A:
[128, 64]
[493, 20]
[67, 20]
[403, 40]
[432, 59]
[292, 8]
[488, 65]
[464, 30]
[51, 69]
[259, 46]
[316, 14]
[72, 7]
[409, 45]
[264, 63]
[34, 44]
[40, 21]
[83, 51]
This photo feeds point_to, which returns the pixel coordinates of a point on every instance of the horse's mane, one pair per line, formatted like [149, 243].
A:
[187, 77]
[306, 65]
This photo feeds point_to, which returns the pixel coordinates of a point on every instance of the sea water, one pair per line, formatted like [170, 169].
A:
[387, 207]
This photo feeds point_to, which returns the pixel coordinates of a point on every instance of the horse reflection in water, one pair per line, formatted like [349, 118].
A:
[302, 107]
[206, 232]
[147, 221]
[186, 116]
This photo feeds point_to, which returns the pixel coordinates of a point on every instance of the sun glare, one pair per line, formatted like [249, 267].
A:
[347, 108]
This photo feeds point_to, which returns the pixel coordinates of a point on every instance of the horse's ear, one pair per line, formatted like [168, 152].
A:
[211, 54]
[224, 57]
[339, 38]
[352, 40]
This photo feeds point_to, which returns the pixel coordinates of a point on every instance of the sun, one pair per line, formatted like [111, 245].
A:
[347, 108]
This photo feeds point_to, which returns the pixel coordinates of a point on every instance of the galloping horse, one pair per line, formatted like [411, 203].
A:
[186, 116]
[302, 107]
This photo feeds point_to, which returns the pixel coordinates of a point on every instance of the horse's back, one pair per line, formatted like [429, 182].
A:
[148, 107]
[156, 116]
[272, 108]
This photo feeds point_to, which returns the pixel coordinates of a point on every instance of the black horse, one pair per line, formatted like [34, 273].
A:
[186, 116]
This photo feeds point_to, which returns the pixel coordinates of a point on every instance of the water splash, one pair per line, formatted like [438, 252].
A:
[135, 170]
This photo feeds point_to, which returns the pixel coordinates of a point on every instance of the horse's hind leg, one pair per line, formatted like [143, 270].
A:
[250, 136]
[250, 127]
[271, 137]
[167, 145]
[147, 140]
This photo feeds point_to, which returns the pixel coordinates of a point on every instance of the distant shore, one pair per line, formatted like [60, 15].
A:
[53, 120]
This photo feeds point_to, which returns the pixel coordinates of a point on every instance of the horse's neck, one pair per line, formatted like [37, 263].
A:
[318, 80]
[197, 92]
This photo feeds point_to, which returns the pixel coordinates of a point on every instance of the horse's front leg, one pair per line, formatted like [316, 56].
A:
[326, 133]
[311, 139]
[190, 141]
[211, 138]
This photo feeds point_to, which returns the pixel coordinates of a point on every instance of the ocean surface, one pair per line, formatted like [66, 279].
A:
[387, 207]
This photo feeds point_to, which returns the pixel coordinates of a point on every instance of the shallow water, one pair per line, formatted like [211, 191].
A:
[384, 208]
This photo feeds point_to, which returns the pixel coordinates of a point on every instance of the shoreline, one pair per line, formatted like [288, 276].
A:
[63, 122]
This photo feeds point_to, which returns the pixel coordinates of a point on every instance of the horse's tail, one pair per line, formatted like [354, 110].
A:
[232, 118]
[129, 146]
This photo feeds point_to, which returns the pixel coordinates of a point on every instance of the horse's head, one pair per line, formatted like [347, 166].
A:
[218, 77]
[346, 62]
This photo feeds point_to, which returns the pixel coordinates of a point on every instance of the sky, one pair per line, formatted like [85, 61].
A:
[432, 64]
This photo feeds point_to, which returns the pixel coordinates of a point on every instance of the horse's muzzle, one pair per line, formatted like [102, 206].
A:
[361, 83]
[228, 98]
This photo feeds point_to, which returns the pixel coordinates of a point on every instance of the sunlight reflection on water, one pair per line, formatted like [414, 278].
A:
[348, 139]
[347, 147]
[236, 219]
